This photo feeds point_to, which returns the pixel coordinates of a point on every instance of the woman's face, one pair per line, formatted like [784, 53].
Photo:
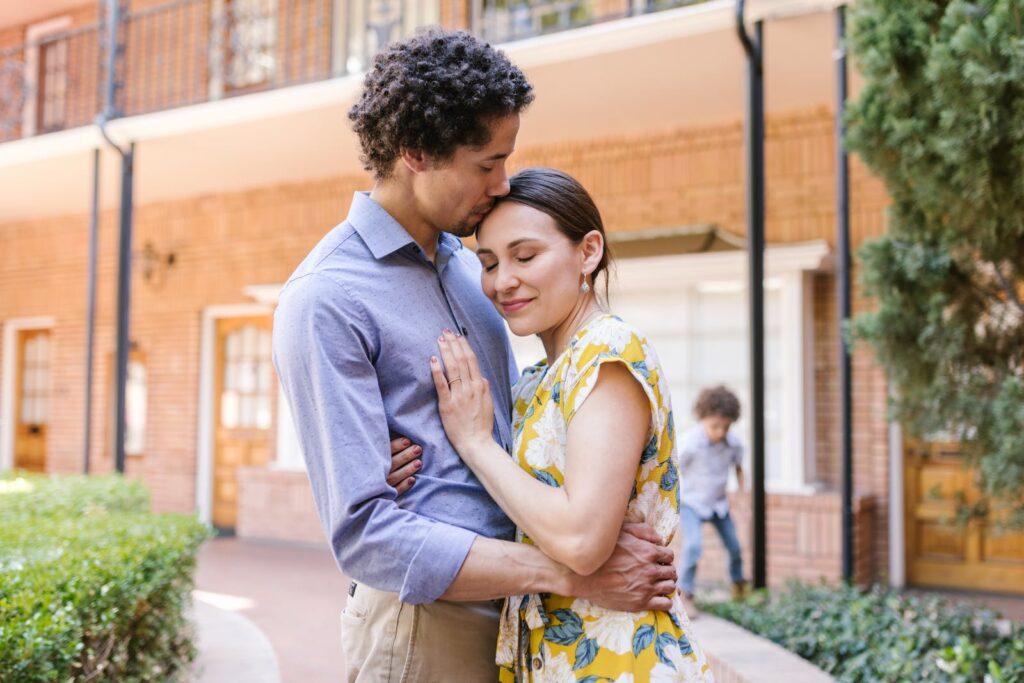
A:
[531, 271]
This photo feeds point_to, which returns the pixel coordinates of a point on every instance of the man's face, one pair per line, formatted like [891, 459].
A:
[455, 195]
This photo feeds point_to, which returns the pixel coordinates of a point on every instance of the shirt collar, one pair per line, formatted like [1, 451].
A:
[382, 233]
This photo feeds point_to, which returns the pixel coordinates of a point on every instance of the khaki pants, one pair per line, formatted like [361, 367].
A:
[386, 640]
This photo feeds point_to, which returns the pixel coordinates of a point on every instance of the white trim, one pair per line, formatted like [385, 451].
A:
[205, 436]
[897, 515]
[264, 294]
[288, 455]
[32, 36]
[10, 351]
[810, 417]
[655, 271]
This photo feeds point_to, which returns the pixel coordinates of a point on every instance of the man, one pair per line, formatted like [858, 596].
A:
[353, 332]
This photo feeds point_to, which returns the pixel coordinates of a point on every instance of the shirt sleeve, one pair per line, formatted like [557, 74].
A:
[737, 452]
[323, 350]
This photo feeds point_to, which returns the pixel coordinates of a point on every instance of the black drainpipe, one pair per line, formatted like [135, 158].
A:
[755, 251]
[843, 295]
[115, 49]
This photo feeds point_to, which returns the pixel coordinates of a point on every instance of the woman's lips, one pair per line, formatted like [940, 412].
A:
[514, 305]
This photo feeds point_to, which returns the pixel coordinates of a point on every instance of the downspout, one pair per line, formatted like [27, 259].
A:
[90, 315]
[843, 298]
[114, 48]
[755, 252]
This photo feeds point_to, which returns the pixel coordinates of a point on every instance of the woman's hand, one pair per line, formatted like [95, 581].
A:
[464, 396]
[405, 462]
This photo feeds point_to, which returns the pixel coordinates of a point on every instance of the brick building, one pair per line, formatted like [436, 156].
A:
[244, 160]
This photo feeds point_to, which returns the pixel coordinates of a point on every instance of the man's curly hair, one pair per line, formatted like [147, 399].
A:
[434, 92]
[717, 401]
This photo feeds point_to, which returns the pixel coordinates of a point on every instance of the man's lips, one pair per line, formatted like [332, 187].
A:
[513, 305]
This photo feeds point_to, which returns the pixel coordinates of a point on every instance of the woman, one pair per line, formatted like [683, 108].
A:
[593, 438]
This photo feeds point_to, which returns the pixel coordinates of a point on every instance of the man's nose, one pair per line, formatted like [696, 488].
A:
[501, 187]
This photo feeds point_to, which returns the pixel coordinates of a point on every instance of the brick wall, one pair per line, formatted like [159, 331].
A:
[277, 505]
[224, 243]
[803, 535]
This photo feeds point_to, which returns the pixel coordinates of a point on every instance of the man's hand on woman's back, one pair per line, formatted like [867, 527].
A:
[638, 576]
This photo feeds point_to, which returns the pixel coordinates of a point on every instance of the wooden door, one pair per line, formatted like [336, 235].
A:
[942, 553]
[32, 400]
[243, 408]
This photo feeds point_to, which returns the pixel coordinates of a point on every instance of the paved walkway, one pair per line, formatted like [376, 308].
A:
[268, 612]
[292, 594]
[231, 648]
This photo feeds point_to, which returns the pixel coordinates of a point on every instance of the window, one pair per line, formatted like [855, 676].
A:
[51, 82]
[248, 43]
[246, 391]
[136, 405]
[45, 101]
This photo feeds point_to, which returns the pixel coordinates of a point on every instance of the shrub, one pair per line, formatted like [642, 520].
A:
[883, 635]
[92, 586]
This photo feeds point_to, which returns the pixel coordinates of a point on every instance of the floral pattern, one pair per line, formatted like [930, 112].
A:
[559, 638]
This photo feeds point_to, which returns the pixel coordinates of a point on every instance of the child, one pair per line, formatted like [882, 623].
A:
[708, 450]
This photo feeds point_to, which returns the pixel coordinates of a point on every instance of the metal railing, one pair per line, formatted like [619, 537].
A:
[182, 52]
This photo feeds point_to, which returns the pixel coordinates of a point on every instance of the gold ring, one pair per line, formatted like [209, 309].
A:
[453, 381]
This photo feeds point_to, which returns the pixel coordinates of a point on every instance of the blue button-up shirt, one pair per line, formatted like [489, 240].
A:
[354, 330]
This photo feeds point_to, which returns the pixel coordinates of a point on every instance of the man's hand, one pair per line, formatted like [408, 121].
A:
[638, 576]
[405, 463]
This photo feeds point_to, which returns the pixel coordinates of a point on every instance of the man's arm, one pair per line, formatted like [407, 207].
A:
[638, 576]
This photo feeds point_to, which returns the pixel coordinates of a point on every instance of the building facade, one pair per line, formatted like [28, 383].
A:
[244, 159]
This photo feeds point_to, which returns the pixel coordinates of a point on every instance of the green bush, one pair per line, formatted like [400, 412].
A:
[92, 585]
[883, 635]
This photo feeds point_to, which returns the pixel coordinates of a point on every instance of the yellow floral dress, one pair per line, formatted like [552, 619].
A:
[556, 638]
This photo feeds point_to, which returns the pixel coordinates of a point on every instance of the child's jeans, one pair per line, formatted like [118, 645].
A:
[692, 549]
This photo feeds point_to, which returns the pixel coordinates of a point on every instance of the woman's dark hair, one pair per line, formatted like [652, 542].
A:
[568, 203]
[717, 401]
[434, 92]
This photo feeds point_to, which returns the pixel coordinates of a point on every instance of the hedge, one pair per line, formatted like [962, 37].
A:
[880, 634]
[93, 587]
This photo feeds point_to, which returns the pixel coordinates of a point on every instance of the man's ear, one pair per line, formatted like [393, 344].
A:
[415, 160]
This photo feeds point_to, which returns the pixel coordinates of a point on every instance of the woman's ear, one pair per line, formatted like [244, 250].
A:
[592, 249]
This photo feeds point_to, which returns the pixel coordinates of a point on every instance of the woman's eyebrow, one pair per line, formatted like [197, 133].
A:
[510, 245]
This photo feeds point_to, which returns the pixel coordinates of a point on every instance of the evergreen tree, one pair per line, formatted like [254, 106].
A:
[941, 121]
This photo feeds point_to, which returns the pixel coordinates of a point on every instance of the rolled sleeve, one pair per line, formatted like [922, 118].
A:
[436, 563]
[323, 349]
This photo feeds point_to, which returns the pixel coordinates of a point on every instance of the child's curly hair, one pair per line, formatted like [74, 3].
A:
[717, 400]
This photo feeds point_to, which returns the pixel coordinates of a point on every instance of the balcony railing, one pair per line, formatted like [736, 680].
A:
[183, 52]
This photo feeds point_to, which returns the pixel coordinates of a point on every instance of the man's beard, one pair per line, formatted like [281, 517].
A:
[462, 229]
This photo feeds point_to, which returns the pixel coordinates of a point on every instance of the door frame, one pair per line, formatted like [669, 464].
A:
[207, 357]
[12, 326]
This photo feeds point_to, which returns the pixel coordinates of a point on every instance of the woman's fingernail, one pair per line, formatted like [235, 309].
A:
[417, 450]
[405, 442]
[418, 464]
[411, 482]
[433, 359]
